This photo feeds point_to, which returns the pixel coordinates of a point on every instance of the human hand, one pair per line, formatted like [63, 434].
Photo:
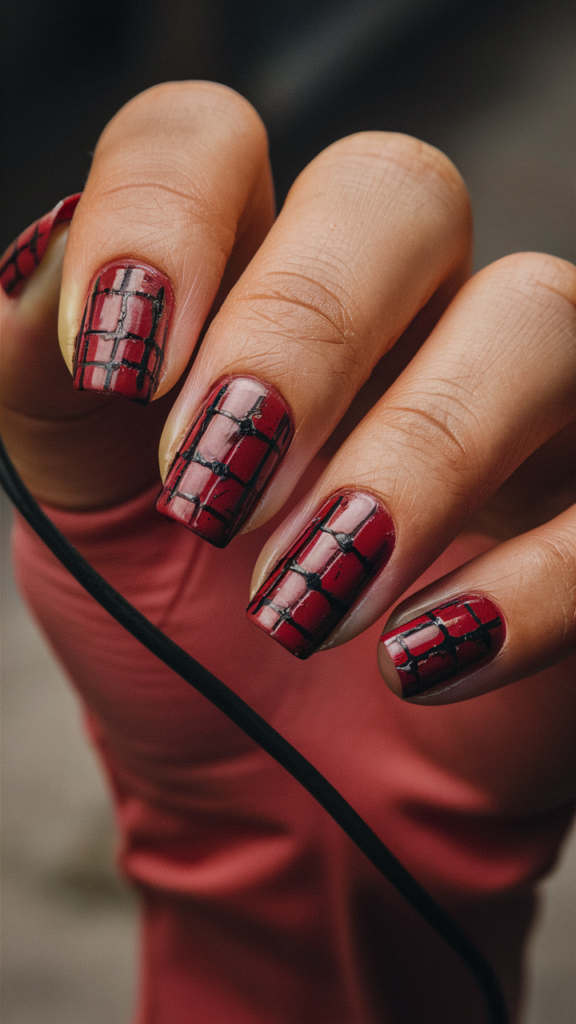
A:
[469, 426]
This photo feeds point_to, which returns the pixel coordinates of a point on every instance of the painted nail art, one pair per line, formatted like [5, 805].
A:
[444, 641]
[24, 255]
[227, 458]
[120, 345]
[312, 587]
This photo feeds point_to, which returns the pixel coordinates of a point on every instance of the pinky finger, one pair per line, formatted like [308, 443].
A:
[501, 617]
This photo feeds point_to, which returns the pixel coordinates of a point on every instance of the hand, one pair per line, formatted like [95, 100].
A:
[441, 404]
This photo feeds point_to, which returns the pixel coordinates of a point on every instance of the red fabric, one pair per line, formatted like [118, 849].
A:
[256, 908]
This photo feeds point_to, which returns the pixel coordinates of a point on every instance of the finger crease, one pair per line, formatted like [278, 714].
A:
[435, 423]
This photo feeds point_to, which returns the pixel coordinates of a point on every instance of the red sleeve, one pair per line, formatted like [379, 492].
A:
[255, 907]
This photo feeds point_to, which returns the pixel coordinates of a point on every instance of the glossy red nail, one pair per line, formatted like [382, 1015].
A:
[349, 540]
[227, 458]
[24, 255]
[442, 642]
[120, 345]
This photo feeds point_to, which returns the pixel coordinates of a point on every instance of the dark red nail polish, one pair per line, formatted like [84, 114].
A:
[227, 458]
[24, 255]
[120, 345]
[438, 644]
[349, 540]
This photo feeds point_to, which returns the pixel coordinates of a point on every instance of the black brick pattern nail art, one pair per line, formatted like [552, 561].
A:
[442, 642]
[227, 458]
[120, 346]
[349, 540]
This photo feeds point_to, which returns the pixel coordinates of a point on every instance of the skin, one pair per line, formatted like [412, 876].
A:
[449, 397]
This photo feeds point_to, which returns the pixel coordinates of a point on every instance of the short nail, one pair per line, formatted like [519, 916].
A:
[348, 541]
[24, 255]
[444, 641]
[227, 458]
[120, 345]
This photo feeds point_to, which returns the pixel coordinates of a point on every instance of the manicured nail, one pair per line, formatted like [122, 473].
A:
[120, 345]
[347, 542]
[444, 641]
[24, 255]
[227, 458]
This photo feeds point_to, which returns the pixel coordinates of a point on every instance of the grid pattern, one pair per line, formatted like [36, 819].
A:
[443, 641]
[349, 540]
[25, 254]
[120, 345]
[227, 458]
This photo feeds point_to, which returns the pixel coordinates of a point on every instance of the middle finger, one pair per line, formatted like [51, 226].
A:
[370, 231]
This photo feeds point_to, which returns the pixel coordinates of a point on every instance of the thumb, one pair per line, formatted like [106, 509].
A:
[57, 437]
[33, 377]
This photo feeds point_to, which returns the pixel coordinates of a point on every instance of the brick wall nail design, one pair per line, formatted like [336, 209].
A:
[121, 342]
[444, 641]
[346, 544]
[227, 458]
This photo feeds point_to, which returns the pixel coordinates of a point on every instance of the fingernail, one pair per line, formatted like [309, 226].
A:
[443, 642]
[24, 255]
[120, 345]
[227, 458]
[348, 541]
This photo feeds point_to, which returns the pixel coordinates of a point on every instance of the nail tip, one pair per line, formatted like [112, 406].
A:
[85, 385]
[388, 670]
[216, 541]
[299, 653]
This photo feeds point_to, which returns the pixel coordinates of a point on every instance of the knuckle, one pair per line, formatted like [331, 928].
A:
[441, 428]
[308, 305]
[147, 205]
[178, 107]
[393, 158]
[167, 138]
[555, 551]
[543, 280]
[149, 176]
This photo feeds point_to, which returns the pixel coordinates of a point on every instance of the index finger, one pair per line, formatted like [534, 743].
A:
[178, 198]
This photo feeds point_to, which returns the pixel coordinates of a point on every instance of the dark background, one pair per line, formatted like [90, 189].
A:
[443, 70]
[491, 84]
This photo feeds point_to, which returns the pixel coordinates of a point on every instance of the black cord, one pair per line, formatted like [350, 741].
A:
[262, 733]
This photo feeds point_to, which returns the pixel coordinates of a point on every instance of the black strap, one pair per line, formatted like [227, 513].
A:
[262, 733]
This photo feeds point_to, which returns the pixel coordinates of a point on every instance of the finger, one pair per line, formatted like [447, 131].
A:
[495, 379]
[71, 448]
[25, 254]
[501, 617]
[34, 379]
[179, 190]
[62, 441]
[370, 231]
[35, 384]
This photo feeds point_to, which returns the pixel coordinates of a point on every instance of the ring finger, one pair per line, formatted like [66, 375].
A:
[492, 383]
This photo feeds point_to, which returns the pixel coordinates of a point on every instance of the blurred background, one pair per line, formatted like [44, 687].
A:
[491, 84]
